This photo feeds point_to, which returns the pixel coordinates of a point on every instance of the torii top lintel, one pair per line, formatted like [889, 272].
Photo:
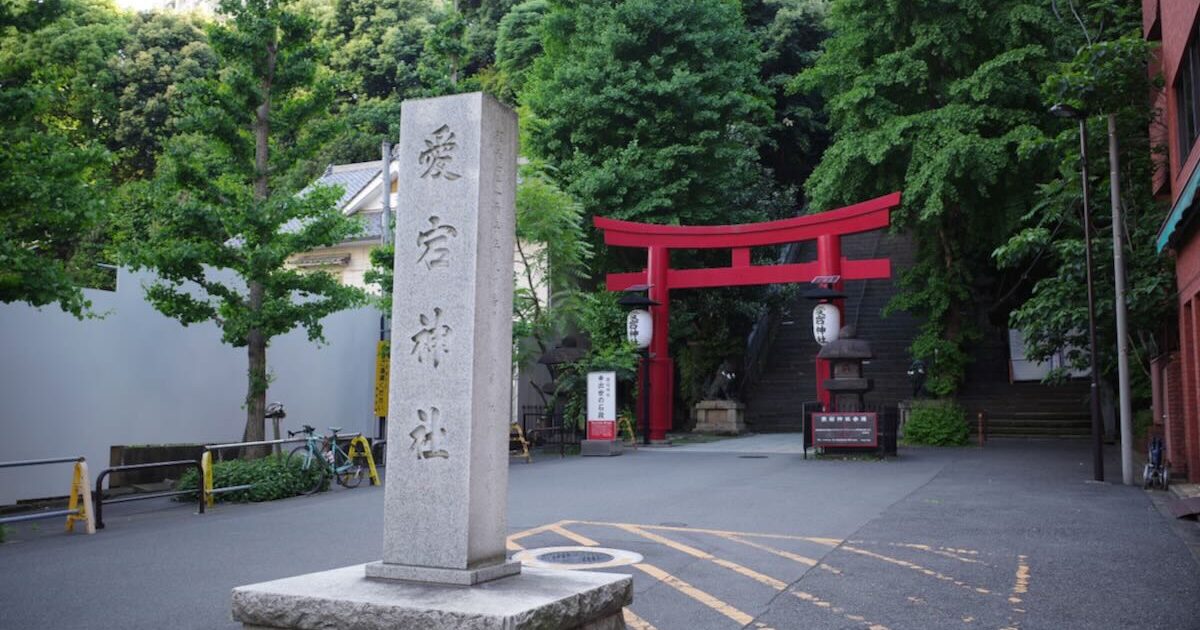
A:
[868, 215]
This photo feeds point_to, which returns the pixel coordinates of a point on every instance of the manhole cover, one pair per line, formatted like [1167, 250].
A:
[576, 558]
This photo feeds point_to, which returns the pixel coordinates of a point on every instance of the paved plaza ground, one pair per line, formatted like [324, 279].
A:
[733, 534]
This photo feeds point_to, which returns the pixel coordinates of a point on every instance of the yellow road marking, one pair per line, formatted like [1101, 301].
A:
[532, 530]
[695, 593]
[634, 622]
[1022, 584]
[579, 538]
[916, 567]
[795, 557]
[512, 545]
[831, 542]
[778, 585]
[820, 603]
[941, 551]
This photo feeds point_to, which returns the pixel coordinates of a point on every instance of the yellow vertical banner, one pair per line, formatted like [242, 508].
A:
[382, 378]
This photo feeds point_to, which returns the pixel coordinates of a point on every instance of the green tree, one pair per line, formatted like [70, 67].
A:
[940, 100]
[553, 251]
[54, 168]
[518, 44]
[654, 111]
[163, 53]
[376, 46]
[790, 34]
[651, 109]
[1046, 256]
[444, 62]
[216, 226]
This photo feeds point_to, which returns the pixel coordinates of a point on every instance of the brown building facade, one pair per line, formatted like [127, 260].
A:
[1174, 25]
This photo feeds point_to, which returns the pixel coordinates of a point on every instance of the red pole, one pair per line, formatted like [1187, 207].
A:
[662, 371]
[829, 263]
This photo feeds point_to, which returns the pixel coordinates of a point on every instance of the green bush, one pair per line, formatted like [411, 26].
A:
[937, 423]
[3, 533]
[272, 476]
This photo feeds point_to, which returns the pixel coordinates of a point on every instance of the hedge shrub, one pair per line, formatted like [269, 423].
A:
[937, 423]
[272, 476]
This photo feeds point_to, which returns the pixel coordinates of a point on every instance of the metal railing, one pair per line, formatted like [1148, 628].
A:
[79, 502]
[99, 493]
[754, 357]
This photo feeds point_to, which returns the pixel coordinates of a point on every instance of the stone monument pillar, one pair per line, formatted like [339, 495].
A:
[445, 517]
[445, 502]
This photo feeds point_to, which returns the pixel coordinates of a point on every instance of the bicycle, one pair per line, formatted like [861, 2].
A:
[329, 458]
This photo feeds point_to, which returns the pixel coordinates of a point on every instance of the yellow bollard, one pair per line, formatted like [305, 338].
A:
[81, 499]
[626, 427]
[366, 449]
[514, 428]
[206, 481]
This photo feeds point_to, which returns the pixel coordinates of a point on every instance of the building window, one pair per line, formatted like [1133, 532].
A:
[1187, 99]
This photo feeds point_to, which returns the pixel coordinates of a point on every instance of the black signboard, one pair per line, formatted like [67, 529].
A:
[846, 428]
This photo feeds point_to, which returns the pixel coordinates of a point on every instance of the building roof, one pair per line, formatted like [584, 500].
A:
[353, 178]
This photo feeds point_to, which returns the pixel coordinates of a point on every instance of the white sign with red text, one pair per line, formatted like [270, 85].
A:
[602, 406]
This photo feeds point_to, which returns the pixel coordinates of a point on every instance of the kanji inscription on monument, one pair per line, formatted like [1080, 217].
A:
[438, 154]
[432, 340]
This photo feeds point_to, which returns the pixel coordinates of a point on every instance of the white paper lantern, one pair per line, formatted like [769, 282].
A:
[827, 321]
[639, 328]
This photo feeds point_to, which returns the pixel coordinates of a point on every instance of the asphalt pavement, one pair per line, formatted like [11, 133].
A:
[739, 533]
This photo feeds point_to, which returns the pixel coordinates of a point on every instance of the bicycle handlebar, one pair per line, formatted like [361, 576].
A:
[306, 429]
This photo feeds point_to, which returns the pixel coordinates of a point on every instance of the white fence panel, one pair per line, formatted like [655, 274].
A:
[137, 377]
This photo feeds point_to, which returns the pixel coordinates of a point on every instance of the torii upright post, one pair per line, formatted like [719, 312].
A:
[827, 228]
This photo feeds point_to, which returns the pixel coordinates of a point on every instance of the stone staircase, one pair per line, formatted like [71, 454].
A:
[1023, 409]
[789, 378]
[774, 402]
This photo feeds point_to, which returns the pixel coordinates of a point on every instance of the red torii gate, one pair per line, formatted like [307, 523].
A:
[827, 228]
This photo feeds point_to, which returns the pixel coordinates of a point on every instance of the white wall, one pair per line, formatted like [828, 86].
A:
[137, 377]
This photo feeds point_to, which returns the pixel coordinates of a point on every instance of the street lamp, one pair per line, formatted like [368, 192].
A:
[639, 330]
[1062, 110]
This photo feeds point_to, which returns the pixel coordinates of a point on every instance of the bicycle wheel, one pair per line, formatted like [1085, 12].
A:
[352, 474]
[310, 465]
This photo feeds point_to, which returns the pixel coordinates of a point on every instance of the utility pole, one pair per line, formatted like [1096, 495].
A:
[385, 219]
[385, 237]
[1066, 111]
[1118, 228]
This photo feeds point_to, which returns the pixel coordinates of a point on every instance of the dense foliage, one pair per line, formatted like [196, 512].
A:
[274, 477]
[936, 423]
[54, 166]
[1045, 257]
[940, 100]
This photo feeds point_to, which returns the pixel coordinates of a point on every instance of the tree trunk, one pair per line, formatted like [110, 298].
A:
[256, 391]
[256, 342]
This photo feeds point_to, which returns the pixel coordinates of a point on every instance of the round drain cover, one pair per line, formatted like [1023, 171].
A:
[576, 558]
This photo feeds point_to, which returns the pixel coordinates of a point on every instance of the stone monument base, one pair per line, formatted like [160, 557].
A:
[727, 417]
[347, 598]
[453, 577]
[600, 448]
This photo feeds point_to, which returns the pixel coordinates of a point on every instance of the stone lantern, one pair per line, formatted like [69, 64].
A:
[847, 354]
